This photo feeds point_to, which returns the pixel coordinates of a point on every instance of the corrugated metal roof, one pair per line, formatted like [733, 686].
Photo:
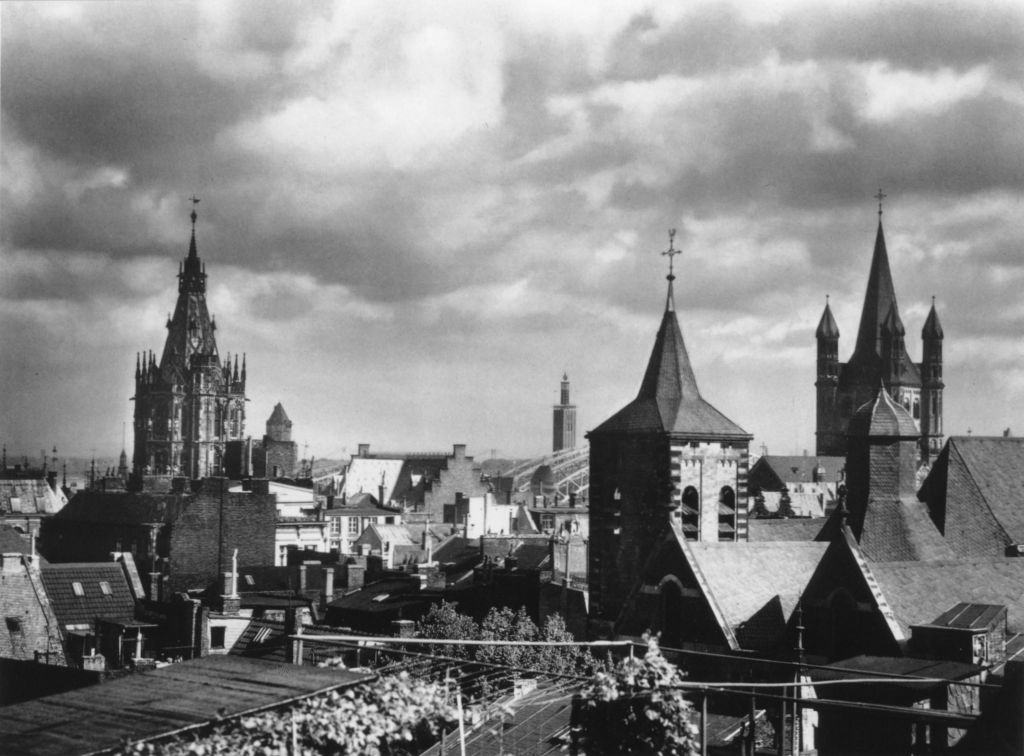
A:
[150, 704]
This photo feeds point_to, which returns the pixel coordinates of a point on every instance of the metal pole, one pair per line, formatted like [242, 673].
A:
[753, 724]
[704, 724]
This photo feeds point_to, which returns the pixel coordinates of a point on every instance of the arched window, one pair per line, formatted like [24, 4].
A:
[689, 513]
[727, 514]
[671, 615]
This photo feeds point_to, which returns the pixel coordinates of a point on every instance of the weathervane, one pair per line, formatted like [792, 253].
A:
[880, 196]
[671, 252]
[195, 201]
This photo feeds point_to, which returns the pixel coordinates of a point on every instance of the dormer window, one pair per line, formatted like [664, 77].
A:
[105, 588]
[77, 588]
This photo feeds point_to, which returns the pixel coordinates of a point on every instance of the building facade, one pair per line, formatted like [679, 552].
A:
[190, 404]
[564, 433]
[668, 458]
[879, 356]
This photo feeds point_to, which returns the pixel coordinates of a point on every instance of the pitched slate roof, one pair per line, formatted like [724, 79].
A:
[123, 508]
[27, 495]
[669, 400]
[901, 530]
[366, 475]
[799, 469]
[784, 529]
[932, 327]
[278, 416]
[71, 609]
[995, 467]
[882, 417]
[755, 585]
[918, 592]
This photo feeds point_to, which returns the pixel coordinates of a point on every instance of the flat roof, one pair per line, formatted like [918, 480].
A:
[146, 705]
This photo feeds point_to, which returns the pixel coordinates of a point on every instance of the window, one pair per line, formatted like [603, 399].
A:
[353, 526]
[77, 588]
[335, 526]
[547, 522]
[217, 637]
[105, 588]
[249, 580]
[13, 624]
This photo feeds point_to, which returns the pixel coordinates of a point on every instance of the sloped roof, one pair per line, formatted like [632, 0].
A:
[800, 469]
[396, 535]
[784, 529]
[901, 530]
[71, 609]
[968, 615]
[669, 400]
[918, 592]
[278, 416]
[366, 475]
[29, 496]
[996, 467]
[755, 585]
[122, 508]
[882, 417]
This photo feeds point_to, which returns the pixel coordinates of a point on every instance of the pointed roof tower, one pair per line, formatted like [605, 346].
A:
[827, 328]
[190, 330]
[932, 330]
[669, 400]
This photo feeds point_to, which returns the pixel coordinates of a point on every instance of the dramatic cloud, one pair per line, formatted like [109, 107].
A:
[416, 216]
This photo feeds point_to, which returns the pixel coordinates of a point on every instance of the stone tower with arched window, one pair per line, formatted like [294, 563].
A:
[668, 458]
[879, 356]
[190, 403]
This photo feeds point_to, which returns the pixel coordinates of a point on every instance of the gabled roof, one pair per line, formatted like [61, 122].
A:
[396, 535]
[669, 400]
[94, 580]
[756, 586]
[366, 475]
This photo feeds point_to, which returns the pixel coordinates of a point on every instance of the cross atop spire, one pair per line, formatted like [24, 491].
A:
[671, 252]
[880, 196]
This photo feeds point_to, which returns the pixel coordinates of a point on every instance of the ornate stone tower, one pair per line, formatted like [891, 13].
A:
[668, 458]
[189, 404]
[564, 420]
[879, 358]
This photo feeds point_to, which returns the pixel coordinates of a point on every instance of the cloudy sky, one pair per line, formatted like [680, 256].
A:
[415, 216]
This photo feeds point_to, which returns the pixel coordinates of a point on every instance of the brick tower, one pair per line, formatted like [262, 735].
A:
[667, 458]
[189, 404]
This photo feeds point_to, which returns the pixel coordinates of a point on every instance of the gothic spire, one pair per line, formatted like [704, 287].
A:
[879, 298]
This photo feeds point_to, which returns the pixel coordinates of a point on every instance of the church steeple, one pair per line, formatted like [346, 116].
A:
[192, 275]
[879, 298]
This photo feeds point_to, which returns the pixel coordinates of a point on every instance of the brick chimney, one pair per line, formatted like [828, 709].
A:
[459, 451]
[328, 585]
[364, 450]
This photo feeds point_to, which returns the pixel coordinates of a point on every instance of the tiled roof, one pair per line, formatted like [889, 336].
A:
[396, 535]
[159, 702]
[29, 496]
[918, 592]
[882, 417]
[799, 469]
[901, 530]
[669, 400]
[71, 609]
[278, 416]
[996, 466]
[123, 508]
[756, 585]
[784, 529]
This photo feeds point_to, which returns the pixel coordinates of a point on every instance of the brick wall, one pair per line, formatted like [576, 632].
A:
[212, 525]
[459, 476]
[29, 626]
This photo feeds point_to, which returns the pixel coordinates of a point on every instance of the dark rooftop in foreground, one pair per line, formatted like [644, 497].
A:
[149, 704]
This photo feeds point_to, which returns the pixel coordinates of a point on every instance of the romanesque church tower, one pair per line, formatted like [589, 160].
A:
[668, 458]
[189, 404]
[564, 416]
[879, 358]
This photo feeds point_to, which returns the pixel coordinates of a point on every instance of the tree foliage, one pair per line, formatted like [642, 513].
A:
[638, 707]
[502, 624]
[394, 715]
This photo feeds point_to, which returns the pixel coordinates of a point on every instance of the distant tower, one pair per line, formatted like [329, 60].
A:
[564, 420]
[280, 452]
[189, 405]
[879, 358]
